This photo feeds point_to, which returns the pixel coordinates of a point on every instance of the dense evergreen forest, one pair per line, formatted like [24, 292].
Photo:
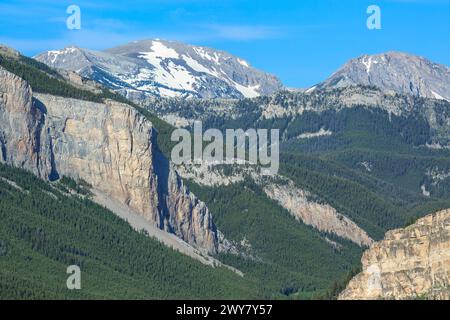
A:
[263, 278]
[372, 166]
[292, 259]
[371, 169]
[44, 230]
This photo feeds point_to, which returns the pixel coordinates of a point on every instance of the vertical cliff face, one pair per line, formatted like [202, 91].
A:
[111, 146]
[19, 123]
[409, 263]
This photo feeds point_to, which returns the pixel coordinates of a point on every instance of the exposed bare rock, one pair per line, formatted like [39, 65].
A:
[149, 68]
[298, 202]
[109, 145]
[19, 122]
[321, 133]
[80, 82]
[210, 175]
[350, 97]
[320, 216]
[395, 71]
[8, 51]
[409, 263]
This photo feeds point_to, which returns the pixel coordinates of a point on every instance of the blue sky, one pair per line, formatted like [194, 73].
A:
[300, 41]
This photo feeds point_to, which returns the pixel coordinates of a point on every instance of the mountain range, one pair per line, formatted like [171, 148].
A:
[171, 69]
[360, 154]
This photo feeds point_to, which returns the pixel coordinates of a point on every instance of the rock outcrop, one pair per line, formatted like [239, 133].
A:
[409, 263]
[290, 105]
[298, 202]
[320, 216]
[111, 146]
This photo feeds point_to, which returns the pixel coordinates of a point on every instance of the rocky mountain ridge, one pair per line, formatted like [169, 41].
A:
[148, 68]
[287, 104]
[393, 72]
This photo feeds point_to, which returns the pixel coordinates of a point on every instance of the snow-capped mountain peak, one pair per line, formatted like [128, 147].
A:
[166, 68]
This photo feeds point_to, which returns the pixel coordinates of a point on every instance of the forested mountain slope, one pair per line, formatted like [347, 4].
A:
[291, 280]
[369, 160]
[46, 227]
[380, 160]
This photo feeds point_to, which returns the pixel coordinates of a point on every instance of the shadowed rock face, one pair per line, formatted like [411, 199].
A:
[111, 146]
[409, 263]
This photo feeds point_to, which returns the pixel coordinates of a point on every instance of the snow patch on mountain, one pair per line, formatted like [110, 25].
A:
[244, 63]
[142, 69]
[438, 96]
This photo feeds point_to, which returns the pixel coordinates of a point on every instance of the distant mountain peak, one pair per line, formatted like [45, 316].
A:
[396, 72]
[155, 67]
[4, 49]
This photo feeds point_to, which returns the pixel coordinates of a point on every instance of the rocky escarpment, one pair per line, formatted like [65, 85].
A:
[320, 216]
[111, 146]
[296, 201]
[291, 105]
[409, 263]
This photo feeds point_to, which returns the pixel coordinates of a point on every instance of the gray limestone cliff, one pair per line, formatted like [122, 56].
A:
[109, 145]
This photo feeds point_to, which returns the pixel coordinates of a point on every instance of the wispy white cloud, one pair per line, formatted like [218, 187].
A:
[105, 33]
[242, 32]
